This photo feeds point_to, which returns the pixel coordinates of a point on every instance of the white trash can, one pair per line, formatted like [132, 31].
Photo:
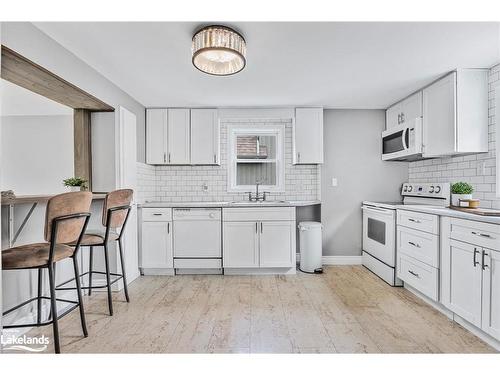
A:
[310, 247]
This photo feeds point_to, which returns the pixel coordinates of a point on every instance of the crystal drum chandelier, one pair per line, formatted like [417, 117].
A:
[218, 50]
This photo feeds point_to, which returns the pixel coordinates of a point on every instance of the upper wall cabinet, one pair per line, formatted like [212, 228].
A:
[308, 136]
[182, 136]
[204, 136]
[455, 114]
[156, 136]
[405, 111]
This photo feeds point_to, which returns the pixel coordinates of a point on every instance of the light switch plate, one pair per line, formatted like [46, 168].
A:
[334, 182]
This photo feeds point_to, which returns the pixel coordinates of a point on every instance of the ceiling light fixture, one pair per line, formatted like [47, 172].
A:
[219, 50]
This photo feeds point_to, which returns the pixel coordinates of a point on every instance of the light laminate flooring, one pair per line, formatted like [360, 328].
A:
[345, 310]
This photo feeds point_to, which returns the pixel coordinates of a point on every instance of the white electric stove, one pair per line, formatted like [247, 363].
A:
[379, 225]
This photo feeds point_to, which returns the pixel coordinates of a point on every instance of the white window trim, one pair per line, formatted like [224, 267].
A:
[237, 129]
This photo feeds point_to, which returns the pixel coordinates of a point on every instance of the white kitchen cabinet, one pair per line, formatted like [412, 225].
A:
[455, 114]
[491, 293]
[156, 136]
[240, 244]
[259, 237]
[275, 243]
[308, 136]
[465, 281]
[156, 245]
[204, 136]
[405, 111]
[167, 136]
[178, 136]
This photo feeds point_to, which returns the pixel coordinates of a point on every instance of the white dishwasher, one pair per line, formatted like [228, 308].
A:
[197, 240]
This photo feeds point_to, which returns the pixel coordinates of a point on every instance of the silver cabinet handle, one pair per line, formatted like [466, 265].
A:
[168, 227]
[414, 273]
[414, 220]
[475, 262]
[256, 227]
[481, 234]
[414, 244]
[157, 214]
[164, 157]
[483, 265]
[261, 227]
[402, 117]
[169, 157]
[215, 159]
[399, 118]
[298, 157]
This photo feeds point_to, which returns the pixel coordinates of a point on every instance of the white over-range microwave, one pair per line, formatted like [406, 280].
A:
[403, 142]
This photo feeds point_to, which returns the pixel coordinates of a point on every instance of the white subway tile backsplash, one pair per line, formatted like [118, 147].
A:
[184, 183]
[467, 168]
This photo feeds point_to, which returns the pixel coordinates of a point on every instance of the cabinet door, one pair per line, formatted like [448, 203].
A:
[491, 293]
[392, 116]
[204, 136]
[465, 281]
[439, 117]
[240, 244]
[411, 108]
[308, 136]
[156, 136]
[276, 243]
[156, 246]
[178, 136]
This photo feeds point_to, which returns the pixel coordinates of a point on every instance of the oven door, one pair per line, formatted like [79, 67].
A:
[379, 234]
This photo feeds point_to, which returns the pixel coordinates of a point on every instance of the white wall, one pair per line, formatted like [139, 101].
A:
[352, 144]
[37, 153]
[29, 41]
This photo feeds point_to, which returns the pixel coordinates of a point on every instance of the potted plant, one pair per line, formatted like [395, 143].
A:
[75, 183]
[460, 190]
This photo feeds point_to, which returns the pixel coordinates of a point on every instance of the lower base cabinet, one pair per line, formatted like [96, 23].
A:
[259, 238]
[470, 279]
[156, 240]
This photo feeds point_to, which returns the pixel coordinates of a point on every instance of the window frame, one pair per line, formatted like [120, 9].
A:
[234, 130]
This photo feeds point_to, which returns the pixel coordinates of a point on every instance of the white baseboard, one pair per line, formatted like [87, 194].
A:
[338, 260]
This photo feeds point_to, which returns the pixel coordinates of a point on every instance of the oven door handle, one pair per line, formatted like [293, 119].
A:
[382, 211]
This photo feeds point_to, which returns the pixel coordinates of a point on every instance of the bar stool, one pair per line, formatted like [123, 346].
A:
[66, 218]
[115, 213]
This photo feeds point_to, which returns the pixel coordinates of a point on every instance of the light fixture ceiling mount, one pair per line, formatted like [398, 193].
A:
[218, 50]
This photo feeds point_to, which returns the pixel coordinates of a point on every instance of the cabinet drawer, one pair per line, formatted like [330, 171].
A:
[475, 232]
[259, 214]
[420, 245]
[156, 214]
[417, 220]
[419, 275]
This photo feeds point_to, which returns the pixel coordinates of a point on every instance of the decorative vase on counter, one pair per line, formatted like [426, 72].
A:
[455, 198]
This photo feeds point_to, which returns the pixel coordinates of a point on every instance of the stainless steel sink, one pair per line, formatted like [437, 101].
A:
[260, 203]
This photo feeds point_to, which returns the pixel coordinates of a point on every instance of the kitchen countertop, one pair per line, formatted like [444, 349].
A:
[230, 204]
[444, 211]
[24, 199]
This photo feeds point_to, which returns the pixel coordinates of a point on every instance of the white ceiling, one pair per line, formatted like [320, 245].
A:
[18, 101]
[340, 65]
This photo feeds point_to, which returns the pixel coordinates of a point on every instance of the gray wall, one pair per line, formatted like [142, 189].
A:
[352, 144]
[29, 41]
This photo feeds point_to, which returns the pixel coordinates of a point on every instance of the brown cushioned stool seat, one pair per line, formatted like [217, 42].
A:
[96, 239]
[33, 255]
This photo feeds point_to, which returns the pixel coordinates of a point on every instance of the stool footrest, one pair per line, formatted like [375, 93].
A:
[117, 275]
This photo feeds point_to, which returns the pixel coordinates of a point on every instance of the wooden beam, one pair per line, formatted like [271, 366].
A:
[82, 145]
[25, 73]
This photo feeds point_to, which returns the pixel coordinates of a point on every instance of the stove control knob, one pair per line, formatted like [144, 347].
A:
[431, 189]
[405, 188]
[410, 188]
[438, 189]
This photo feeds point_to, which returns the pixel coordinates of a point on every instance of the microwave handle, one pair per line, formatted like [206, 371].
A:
[405, 133]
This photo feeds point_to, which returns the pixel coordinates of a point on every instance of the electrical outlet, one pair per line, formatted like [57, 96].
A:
[481, 168]
[204, 187]
[334, 182]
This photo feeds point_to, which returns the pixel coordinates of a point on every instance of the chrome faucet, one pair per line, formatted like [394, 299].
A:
[258, 197]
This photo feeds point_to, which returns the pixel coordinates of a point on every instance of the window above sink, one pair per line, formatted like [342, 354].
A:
[256, 155]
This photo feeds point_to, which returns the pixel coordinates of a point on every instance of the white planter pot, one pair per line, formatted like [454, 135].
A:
[455, 198]
[75, 188]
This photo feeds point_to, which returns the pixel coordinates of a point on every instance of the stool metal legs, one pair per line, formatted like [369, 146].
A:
[122, 261]
[108, 281]
[39, 300]
[53, 309]
[91, 263]
[79, 292]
